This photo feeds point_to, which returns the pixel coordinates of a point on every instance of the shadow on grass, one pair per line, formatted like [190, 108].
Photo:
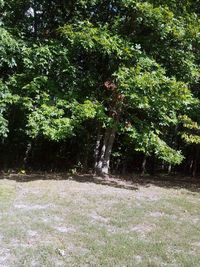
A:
[176, 182]
[129, 182]
[81, 178]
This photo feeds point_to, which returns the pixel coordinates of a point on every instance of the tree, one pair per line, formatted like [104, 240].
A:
[127, 69]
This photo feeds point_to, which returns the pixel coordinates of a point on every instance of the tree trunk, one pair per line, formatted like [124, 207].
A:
[27, 154]
[169, 169]
[196, 161]
[103, 164]
[144, 165]
[86, 153]
[152, 168]
[35, 19]
[124, 168]
[97, 148]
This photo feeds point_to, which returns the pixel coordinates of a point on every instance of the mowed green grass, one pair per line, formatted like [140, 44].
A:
[70, 223]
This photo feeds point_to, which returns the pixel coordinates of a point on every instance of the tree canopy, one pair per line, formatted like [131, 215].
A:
[100, 84]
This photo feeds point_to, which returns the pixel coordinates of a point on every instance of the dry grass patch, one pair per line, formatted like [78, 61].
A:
[76, 223]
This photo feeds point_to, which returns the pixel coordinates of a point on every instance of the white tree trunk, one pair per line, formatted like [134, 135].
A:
[103, 164]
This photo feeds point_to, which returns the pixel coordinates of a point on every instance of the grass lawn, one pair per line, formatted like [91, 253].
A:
[46, 222]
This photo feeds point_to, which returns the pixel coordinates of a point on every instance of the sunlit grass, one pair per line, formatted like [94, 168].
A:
[67, 223]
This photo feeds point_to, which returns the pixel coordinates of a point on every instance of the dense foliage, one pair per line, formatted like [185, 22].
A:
[104, 85]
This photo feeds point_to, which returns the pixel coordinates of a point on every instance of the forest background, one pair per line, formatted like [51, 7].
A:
[109, 86]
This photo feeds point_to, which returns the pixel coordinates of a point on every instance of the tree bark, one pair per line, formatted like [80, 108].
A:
[97, 148]
[196, 161]
[103, 164]
[169, 169]
[35, 19]
[86, 152]
[144, 165]
[27, 154]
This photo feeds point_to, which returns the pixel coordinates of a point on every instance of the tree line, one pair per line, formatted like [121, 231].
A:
[103, 85]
